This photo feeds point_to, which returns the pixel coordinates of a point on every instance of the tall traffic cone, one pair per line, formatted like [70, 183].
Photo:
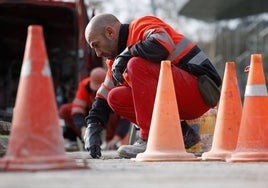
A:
[165, 141]
[228, 117]
[36, 142]
[252, 143]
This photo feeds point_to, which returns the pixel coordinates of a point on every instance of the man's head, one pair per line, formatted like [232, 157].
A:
[102, 34]
[97, 76]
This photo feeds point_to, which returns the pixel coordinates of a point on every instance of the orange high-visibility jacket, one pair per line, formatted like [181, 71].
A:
[84, 98]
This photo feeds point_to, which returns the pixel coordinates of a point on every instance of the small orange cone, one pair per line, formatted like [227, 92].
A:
[252, 143]
[165, 144]
[36, 141]
[228, 117]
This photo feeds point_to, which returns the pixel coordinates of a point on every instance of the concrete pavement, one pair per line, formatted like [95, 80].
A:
[111, 172]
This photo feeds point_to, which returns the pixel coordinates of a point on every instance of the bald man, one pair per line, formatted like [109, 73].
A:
[134, 52]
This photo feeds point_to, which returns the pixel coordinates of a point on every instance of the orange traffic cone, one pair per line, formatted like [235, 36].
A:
[252, 143]
[228, 117]
[165, 144]
[36, 141]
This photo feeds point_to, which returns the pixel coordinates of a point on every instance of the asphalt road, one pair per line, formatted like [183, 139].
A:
[111, 172]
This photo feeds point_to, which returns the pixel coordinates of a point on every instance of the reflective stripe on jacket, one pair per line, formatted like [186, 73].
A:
[108, 84]
[83, 98]
[155, 40]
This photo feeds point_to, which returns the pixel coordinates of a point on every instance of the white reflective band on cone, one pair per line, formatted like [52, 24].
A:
[46, 69]
[26, 68]
[256, 90]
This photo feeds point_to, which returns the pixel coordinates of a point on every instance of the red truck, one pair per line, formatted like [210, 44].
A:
[63, 23]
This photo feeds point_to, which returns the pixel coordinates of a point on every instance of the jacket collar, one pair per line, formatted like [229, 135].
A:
[123, 35]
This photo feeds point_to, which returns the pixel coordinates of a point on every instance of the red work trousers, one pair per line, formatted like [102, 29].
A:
[136, 102]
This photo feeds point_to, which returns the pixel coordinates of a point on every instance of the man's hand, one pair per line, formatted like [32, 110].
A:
[92, 139]
[119, 66]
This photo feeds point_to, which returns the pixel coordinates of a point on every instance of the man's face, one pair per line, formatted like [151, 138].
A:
[103, 46]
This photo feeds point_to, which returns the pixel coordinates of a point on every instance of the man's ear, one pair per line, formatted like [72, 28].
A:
[109, 32]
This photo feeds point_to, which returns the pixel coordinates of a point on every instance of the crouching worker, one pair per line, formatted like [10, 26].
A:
[134, 53]
[74, 114]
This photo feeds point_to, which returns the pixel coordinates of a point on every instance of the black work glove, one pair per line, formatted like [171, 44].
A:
[119, 66]
[92, 139]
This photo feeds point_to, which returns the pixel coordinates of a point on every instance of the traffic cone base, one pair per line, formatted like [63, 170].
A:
[165, 156]
[248, 157]
[216, 155]
[165, 143]
[40, 163]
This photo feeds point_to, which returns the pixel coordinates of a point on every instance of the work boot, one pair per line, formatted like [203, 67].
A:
[70, 145]
[131, 151]
[190, 137]
[70, 140]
